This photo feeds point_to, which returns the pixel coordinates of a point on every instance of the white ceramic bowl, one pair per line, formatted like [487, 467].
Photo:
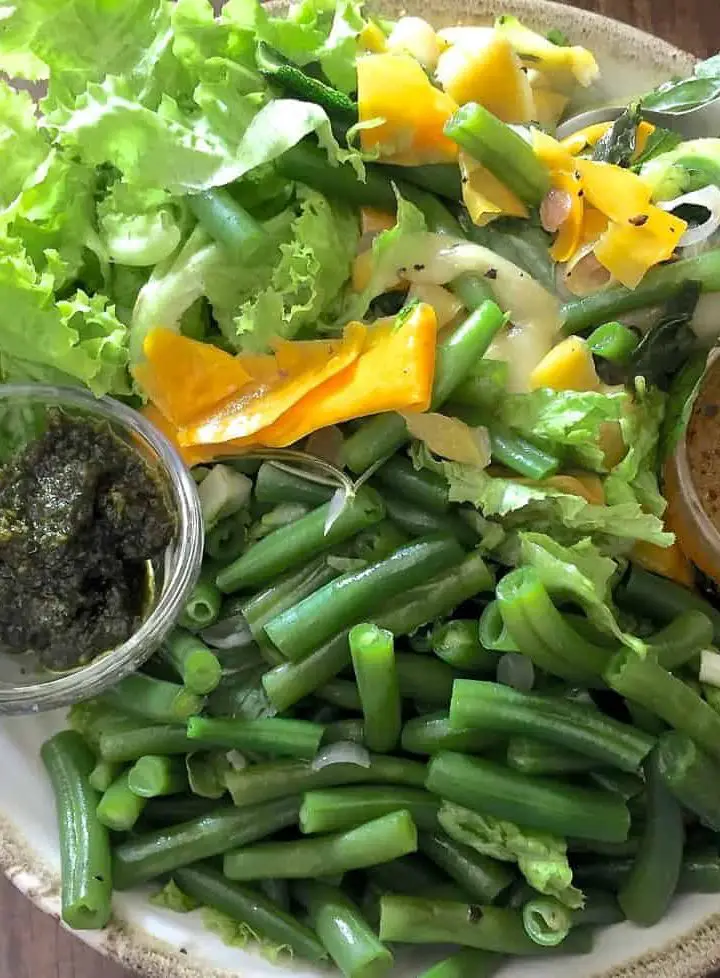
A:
[159, 943]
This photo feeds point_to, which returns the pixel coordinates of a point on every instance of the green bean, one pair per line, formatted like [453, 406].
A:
[660, 599]
[342, 730]
[644, 720]
[437, 598]
[285, 548]
[606, 874]
[620, 782]
[206, 771]
[275, 483]
[378, 541]
[647, 683]
[119, 807]
[344, 933]
[482, 878]
[457, 642]
[424, 680]
[373, 657]
[418, 522]
[228, 223]
[374, 842]
[613, 342]
[129, 745]
[270, 735]
[432, 733]
[471, 289]
[529, 756]
[202, 608]
[700, 872]
[335, 809]
[495, 708]
[501, 150]
[692, 776]
[196, 664]
[305, 87]
[551, 640]
[277, 779]
[541, 803]
[227, 539]
[315, 619]
[455, 356]
[409, 874]
[153, 699]
[103, 774]
[659, 285]
[416, 920]
[290, 682]
[493, 631]
[546, 921]
[84, 845]
[600, 910]
[176, 808]
[425, 489]
[648, 889]
[468, 963]
[149, 855]
[686, 636]
[210, 888]
[517, 453]
[154, 775]
[308, 164]
[341, 693]
[441, 179]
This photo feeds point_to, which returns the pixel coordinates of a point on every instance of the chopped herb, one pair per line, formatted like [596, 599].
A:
[558, 37]
[491, 273]
[619, 142]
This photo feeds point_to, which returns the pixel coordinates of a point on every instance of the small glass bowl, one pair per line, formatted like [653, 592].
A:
[28, 688]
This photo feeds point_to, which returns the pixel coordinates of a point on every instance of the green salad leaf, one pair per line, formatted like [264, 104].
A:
[171, 897]
[22, 145]
[681, 95]
[540, 857]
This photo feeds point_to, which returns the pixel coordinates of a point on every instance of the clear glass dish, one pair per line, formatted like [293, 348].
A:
[27, 688]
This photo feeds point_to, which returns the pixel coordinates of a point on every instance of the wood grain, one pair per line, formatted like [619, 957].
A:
[32, 945]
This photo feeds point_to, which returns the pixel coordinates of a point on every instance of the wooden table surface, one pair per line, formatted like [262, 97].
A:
[32, 945]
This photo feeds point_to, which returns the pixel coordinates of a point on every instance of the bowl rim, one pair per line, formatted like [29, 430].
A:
[692, 955]
[108, 668]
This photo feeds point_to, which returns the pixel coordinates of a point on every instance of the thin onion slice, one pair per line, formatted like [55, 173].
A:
[555, 209]
[708, 198]
[343, 752]
[710, 667]
[228, 633]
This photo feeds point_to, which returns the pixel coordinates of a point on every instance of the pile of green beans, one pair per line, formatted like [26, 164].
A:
[290, 754]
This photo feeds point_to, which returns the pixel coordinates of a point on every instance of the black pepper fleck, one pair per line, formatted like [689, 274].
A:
[491, 273]
[638, 221]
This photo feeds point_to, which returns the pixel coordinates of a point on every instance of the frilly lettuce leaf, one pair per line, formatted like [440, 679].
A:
[22, 145]
[139, 228]
[541, 857]
[171, 897]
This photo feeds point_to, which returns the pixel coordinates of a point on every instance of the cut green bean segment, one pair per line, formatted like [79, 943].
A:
[308, 164]
[479, 876]
[428, 490]
[153, 699]
[210, 888]
[154, 775]
[685, 637]
[103, 774]
[84, 845]
[345, 934]
[227, 222]
[272, 735]
[335, 809]
[493, 631]
[276, 483]
[383, 435]
[647, 683]
[277, 779]
[540, 803]
[287, 684]
[546, 921]
[418, 522]
[206, 772]
[691, 775]
[202, 608]
[432, 733]
[195, 663]
[468, 963]
[418, 920]
[600, 910]
[660, 599]
[374, 842]
[341, 693]
[120, 808]
[427, 681]
[648, 889]
[501, 150]
[457, 642]
[613, 342]
[343, 730]
[379, 541]
[353, 596]
[700, 872]
[409, 874]
[659, 285]
[291, 545]
[517, 453]
[129, 745]
[227, 540]
[176, 808]
[529, 756]
[500, 709]
[436, 599]
[148, 855]
[372, 651]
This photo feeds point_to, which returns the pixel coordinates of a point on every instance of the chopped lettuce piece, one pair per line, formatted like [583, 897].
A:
[22, 145]
[171, 897]
[541, 857]
[138, 228]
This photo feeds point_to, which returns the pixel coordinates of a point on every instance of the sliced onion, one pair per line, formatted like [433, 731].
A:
[343, 752]
[450, 438]
[555, 209]
[516, 670]
[708, 198]
[326, 443]
[710, 667]
[585, 275]
[236, 760]
[228, 633]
